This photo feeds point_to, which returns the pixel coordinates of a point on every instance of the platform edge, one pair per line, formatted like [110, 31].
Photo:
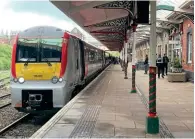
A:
[45, 128]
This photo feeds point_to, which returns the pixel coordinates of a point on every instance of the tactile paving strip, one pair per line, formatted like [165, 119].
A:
[85, 126]
[164, 131]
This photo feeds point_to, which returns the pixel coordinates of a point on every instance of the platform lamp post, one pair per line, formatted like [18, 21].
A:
[152, 120]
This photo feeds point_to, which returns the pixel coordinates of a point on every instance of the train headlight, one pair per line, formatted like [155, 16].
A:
[60, 79]
[54, 80]
[21, 80]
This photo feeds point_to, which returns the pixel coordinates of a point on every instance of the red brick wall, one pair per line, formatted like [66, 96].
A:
[4, 40]
[186, 66]
[12, 39]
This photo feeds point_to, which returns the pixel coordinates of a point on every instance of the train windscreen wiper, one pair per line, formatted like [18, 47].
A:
[49, 63]
[27, 61]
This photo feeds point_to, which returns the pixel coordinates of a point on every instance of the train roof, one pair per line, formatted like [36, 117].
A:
[49, 32]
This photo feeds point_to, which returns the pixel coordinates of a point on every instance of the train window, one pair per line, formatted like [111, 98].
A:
[39, 50]
[27, 48]
[50, 49]
[86, 55]
[91, 56]
[96, 56]
[100, 56]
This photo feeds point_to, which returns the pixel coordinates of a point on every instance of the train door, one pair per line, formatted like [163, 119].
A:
[103, 59]
[81, 60]
[76, 60]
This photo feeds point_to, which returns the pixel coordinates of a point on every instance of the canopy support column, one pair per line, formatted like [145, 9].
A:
[126, 61]
[134, 26]
[152, 121]
[123, 59]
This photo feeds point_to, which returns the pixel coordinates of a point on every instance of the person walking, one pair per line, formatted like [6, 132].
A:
[165, 62]
[146, 64]
[160, 65]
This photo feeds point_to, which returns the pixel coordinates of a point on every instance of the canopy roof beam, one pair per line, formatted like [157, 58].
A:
[75, 9]
[170, 21]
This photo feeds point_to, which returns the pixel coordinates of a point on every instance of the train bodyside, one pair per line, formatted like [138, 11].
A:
[78, 61]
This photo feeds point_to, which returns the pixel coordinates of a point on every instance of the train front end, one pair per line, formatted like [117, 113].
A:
[37, 70]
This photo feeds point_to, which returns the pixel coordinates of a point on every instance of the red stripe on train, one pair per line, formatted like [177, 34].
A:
[13, 65]
[64, 53]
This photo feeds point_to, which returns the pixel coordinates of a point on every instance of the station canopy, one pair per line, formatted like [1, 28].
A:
[108, 21]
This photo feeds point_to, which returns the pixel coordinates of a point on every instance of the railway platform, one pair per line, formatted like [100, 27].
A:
[106, 108]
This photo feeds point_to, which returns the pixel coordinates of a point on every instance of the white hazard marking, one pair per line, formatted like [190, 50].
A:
[109, 82]
[139, 91]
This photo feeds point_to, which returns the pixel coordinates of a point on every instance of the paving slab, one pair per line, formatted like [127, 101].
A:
[60, 131]
[130, 132]
[105, 109]
[183, 134]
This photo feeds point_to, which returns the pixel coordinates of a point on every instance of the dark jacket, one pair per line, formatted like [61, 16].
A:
[165, 59]
[146, 61]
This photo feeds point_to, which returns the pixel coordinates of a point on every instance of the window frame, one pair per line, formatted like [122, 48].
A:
[189, 46]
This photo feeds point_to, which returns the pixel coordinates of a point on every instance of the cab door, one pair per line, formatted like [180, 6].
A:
[76, 61]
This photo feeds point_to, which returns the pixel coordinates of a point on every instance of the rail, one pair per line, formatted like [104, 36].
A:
[5, 101]
[13, 123]
[3, 83]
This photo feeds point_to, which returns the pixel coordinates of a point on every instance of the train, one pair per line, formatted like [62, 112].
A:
[47, 64]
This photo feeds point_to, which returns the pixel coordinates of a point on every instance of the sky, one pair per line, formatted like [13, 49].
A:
[20, 15]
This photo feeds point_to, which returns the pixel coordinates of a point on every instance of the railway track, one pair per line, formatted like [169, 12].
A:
[5, 100]
[13, 124]
[25, 126]
[3, 83]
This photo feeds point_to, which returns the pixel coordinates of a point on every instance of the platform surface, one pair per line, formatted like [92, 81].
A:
[107, 109]
[175, 103]
[104, 109]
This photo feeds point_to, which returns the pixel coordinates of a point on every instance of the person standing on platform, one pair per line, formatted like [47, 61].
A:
[160, 65]
[165, 61]
[146, 64]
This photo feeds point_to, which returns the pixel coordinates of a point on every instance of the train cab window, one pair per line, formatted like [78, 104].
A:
[50, 49]
[39, 50]
[27, 50]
